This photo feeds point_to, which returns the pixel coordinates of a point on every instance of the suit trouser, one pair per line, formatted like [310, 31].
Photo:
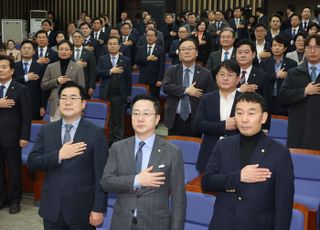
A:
[12, 157]
[116, 122]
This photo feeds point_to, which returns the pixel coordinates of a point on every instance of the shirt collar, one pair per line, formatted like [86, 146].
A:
[248, 70]
[75, 124]
[148, 142]
[316, 65]
[231, 95]
[116, 56]
[152, 46]
[191, 69]
[229, 51]
[7, 84]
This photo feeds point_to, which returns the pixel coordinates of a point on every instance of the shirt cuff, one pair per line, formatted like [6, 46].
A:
[136, 184]
[26, 79]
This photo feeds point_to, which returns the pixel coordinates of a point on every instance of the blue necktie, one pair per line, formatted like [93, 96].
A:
[139, 156]
[225, 56]
[2, 91]
[25, 68]
[313, 73]
[41, 52]
[113, 61]
[184, 107]
[77, 54]
[67, 135]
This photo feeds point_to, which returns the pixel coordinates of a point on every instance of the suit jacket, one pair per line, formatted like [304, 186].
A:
[166, 29]
[150, 71]
[124, 49]
[290, 42]
[90, 70]
[214, 61]
[15, 122]
[52, 38]
[173, 52]
[103, 71]
[51, 54]
[240, 33]
[294, 56]
[95, 44]
[172, 86]
[72, 186]
[207, 122]
[102, 36]
[304, 112]
[49, 81]
[39, 97]
[203, 50]
[264, 206]
[142, 41]
[154, 211]
[212, 27]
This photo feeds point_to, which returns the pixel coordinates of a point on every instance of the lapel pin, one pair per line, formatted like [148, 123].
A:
[262, 150]
[161, 166]
[12, 87]
[159, 150]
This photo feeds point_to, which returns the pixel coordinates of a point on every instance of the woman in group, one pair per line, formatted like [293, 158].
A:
[12, 51]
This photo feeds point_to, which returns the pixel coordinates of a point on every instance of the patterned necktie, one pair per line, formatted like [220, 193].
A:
[96, 36]
[149, 50]
[41, 52]
[77, 54]
[293, 33]
[243, 77]
[225, 56]
[2, 91]
[67, 136]
[25, 67]
[113, 61]
[184, 107]
[305, 25]
[139, 156]
[313, 73]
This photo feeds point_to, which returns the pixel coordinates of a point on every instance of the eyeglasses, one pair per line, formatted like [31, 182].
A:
[143, 114]
[187, 49]
[71, 99]
[309, 48]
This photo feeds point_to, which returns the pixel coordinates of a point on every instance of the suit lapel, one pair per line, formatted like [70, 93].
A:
[196, 75]
[81, 131]
[260, 151]
[70, 68]
[56, 134]
[11, 89]
[156, 152]
[128, 157]
[235, 151]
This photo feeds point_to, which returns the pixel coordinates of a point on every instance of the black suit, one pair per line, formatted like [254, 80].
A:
[15, 125]
[116, 88]
[214, 61]
[71, 188]
[124, 49]
[207, 122]
[173, 52]
[289, 37]
[102, 36]
[172, 86]
[151, 71]
[268, 66]
[51, 54]
[38, 96]
[241, 33]
[91, 42]
[90, 70]
[166, 29]
[52, 39]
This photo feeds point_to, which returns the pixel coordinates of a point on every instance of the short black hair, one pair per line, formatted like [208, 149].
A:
[247, 42]
[85, 23]
[27, 42]
[48, 21]
[65, 42]
[231, 66]
[156, 103]
[291, 7]
[252, 97]
[191, 40]
[280, 39]
[227, 28]
[309, 38]
[113, 37]
[313, 24]
[61, 32]
[41, 32]
[97, 19]
[72, 84]
[277, 16]
[260, 24]
[126, 23]
[295, 15]
[303, 34]
[260, 10]
[8, 58]
[154, 30]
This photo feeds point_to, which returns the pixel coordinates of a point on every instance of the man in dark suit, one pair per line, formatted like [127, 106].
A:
[277, 67]
[114, 70]
[274, 27]
[44, 55]
[150, 59]
[252, 78]
[29, 73]
[305, 18]
[97, 33]
[292, 31]
[86, 59]
[128, 38]
[300, 91]
[261, 18]
[184, 85]
[263, 47]
[227, 52]
[15, 122]
[46, 25]
[169, 30]
[215, 28]
[174, 48]
[147, 174]
[89, 42]
[73, 152]
[142, 40]
[238, 24]
[252, 173]
[215, 115]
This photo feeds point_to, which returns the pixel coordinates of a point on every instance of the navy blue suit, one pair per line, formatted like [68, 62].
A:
[71, 188]
[241, 33]
[51, 54]
[39, 97]
[91, 42]
[289, 37]
[173, 52]
[250, 206]
[207, 122]
[151, 71]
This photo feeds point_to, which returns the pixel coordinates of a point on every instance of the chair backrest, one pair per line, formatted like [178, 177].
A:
[98, 112]
[189, 147]
[278, 127]
[96, 91]
[135, 77]
[199, 208]
[297, 220]
[138, 88]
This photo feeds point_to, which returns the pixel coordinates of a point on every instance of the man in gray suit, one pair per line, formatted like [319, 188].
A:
[145, 171]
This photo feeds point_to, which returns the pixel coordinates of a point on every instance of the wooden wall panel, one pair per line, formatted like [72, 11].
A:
[65, 10]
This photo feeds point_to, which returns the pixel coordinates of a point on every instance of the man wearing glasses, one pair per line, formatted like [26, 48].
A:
[301, 92]
[73, 153]
[185, 84]
[145, 171]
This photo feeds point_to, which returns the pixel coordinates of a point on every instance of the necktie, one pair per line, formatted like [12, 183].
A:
[67, 136]
[2, 91]
[184, 108]
[25, 67]
[96, 36]
[41, 52]
[139, 156]
[77, 54]
[225, 56]
[275, 86]
[305, 25]
[149, 51]
[124, 38]
[313, 73]
[243, 77]
[293, 33]
[113, 61]
[218, 25]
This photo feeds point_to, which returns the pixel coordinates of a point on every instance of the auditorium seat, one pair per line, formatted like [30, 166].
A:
[96, 92]
[297, 220]
[189, 147]
[134, 77]
[279, 128]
